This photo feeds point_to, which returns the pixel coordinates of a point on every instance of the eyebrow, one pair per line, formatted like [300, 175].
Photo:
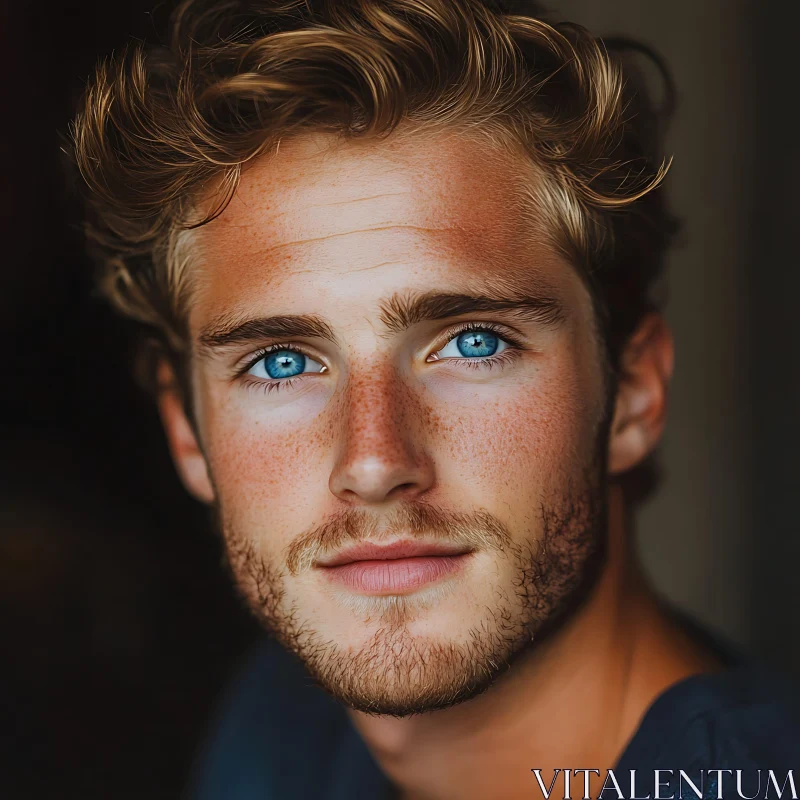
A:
[400, 312]
[227, 331]
[397, 313]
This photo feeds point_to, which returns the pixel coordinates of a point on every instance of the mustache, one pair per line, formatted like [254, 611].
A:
[478, 530]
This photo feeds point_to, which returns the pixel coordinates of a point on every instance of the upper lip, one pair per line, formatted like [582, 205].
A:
[370, 551]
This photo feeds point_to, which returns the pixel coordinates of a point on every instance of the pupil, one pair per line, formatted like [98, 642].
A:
[472, 343]
[284, 364]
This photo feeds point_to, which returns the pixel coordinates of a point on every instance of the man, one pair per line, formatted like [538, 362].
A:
[395, 263]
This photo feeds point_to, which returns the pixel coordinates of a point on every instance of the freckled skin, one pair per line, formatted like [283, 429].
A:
[331, 229]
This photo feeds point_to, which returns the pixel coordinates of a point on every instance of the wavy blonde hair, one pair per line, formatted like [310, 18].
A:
[158, 126]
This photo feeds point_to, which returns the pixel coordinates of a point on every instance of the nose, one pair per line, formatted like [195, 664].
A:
[381, 455]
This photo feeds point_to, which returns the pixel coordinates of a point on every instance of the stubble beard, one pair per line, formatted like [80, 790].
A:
[398, 673]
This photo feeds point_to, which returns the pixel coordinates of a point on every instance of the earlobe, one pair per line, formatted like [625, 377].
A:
[184, 447]
[641, 404]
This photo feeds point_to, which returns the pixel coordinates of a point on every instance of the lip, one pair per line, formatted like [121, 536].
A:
[370, 551]
[396, 568]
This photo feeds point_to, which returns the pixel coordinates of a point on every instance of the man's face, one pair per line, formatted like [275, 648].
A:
[359, 379]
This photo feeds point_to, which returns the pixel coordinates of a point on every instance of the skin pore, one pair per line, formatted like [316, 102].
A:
[382, 263]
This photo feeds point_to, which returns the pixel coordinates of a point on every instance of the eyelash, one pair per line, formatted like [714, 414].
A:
[510, 354]
[272, 385]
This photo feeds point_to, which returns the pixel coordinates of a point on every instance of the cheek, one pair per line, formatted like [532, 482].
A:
[268, 466]
[517, 446]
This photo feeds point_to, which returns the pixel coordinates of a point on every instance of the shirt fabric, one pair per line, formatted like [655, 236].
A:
[278, 736]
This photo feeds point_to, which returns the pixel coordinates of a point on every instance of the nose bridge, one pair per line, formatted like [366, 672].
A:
[379, 452]
[376, 406]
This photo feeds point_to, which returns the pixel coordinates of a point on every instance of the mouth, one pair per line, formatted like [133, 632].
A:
[396, 568]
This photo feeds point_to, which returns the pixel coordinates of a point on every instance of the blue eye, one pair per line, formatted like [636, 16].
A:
[285, 363]
[478, 343]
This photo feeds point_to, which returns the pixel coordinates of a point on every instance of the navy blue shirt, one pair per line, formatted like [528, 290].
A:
[280, 737]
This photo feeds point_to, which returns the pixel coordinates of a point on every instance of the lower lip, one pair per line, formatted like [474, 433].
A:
[395, 576]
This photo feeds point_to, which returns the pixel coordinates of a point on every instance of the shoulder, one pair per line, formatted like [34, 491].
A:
[753, 716]
[746, 716]
[274, 731]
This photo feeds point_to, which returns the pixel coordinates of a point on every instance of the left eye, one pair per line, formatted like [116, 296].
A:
[280, 364]
[473, 344]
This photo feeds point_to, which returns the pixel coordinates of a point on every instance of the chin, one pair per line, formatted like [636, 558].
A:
[397, 673]
[400, 655]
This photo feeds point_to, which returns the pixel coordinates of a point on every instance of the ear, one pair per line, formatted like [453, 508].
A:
[641, 404]
[186, 453]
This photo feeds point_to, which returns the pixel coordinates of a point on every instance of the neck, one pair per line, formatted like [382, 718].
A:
[574, 703]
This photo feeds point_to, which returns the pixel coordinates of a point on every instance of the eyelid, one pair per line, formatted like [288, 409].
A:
[501, 330]
[252, 358]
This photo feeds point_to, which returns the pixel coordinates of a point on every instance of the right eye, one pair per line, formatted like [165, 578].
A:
[284, 363]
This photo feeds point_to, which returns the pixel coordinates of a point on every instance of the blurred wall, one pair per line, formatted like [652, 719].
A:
[721, 537]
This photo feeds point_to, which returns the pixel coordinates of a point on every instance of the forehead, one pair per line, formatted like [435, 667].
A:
[322, 208]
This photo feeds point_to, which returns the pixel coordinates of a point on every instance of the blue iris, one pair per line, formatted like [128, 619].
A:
[284, 363]
[477, 343]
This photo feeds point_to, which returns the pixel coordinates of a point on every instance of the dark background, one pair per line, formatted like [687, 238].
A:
[118, 625]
